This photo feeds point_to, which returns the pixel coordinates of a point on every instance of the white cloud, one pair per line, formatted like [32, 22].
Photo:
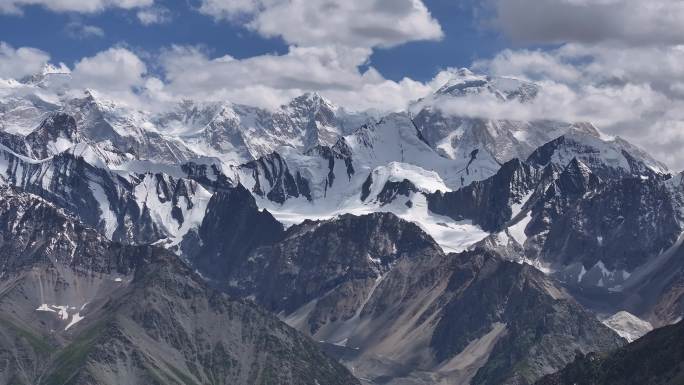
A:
[658, 65]
[154, 15]
[355, 23]
[271, 80]
[81, 6]
[116, 71]
[529, 64]
[329, 41]
[20, 62]
[229, 9]
[607, 106]
[266, 80]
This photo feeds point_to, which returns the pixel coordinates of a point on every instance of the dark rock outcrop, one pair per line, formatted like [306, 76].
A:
[487, 203]
[282, 184]
[58, 126]
[656, 358]
[232, 228]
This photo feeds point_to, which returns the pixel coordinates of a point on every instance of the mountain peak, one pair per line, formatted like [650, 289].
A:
[464, 72]
[50, 76]
[460, 82]
[312, 100]
[53, 69]
[464, 82]
[56, 134]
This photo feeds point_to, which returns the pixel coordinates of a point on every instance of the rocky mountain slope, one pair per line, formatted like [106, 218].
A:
[657, 358]
[381, 294]
[79, 309]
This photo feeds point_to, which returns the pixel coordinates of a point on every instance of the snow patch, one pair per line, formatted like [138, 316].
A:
[63, 313]
[46, 307]
[517, 231]
[426, 181]
[108, 216]
[76, 318]
[451, 235]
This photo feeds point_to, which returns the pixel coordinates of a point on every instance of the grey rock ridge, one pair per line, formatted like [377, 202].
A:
[381, 294]
[77, 308]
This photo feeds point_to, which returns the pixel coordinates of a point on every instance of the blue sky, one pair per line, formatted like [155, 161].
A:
[46, 30]
[464, 39]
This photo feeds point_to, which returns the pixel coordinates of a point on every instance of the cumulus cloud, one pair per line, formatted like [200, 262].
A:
[530, 64]
[19, 62]
[635, 22]
[356, 23]
[81, 6]
[330, 41]
[267, 81]
[271, 80]
[659, 66]
[117, 71]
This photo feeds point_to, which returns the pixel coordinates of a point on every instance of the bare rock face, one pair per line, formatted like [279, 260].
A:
[280, 184]
[232, 228]
[315, 258]
[79, 309]
[488, 203]
[54, 135]
[383, 297]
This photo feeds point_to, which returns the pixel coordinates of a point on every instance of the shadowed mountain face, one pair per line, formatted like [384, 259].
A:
[488, 202]
[656, 358]
[232, 227]
[79, 309]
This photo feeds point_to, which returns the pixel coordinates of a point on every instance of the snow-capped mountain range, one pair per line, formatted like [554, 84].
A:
[356, 224]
